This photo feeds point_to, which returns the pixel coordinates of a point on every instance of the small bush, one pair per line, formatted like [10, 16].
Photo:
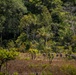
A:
[1, 73]
[15, 73]
[4, 73]
[69, 69]
[33, 51]
[27, 58]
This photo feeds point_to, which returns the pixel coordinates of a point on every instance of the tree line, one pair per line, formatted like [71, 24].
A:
[46, 25]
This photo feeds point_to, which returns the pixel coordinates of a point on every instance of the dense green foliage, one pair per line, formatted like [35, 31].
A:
[6, 55]
[47, 25]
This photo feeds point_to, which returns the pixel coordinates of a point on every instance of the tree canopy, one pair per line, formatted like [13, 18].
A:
[43, 23]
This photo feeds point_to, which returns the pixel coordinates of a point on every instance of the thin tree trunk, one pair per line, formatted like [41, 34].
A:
[27, 31]
[1, 39]
[0, 68]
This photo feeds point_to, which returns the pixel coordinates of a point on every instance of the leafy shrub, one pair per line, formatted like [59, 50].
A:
[27, 58]
[4, 73]
[33, 50]
[69, 69]
[15, 73]
[6, 55]
[13, 49]
[11, 44]
[1, 73]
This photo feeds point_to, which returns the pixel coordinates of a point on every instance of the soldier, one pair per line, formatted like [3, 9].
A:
[36, 73]
[34, 55]
[44, 55]
[60, 54]
[57, 55]
[50, 56]
[66, 55]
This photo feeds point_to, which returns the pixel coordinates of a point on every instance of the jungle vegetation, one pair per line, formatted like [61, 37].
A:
[45, 25]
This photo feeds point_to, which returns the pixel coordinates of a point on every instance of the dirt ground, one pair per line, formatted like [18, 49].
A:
[27, 66]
